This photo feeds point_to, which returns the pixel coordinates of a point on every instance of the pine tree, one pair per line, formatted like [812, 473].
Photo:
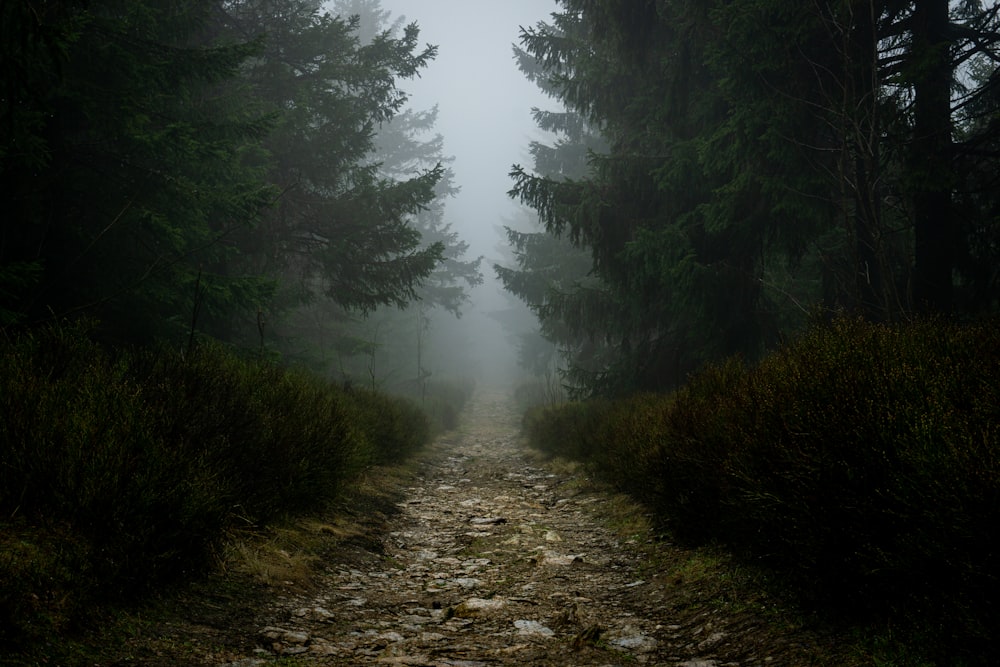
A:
[339, 227]
[765, 156]
[144, 160]
[387, 144]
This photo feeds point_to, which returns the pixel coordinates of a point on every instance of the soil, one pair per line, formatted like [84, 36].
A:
[478, 554]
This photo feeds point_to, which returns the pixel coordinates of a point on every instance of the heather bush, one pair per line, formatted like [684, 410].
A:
[140, 462]
[43, 579]
[394, 428]
[80, 446]
[280, 440]
[570, 430]
[862, 460]
[865, 459]
[627, 438]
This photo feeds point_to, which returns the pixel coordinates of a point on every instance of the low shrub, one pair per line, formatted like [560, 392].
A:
[42, 569]
[862, 460]
[570, 430]
[632, 454]
[81, 446]
[441, 400]
[394, 428]
[142, 461]
[279, 440]
[865, 459]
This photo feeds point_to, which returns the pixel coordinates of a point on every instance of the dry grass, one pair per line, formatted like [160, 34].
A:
[292, 554]
[270, 562]
[690, 584]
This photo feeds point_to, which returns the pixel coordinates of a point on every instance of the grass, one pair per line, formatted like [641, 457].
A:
[272, 564]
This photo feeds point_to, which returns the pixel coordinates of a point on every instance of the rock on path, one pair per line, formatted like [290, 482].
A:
[492, 561]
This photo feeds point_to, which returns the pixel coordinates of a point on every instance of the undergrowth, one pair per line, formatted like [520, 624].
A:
[441, 400]
[862, 461]
[122, 472]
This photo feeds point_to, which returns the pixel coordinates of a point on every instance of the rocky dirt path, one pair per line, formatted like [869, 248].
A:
[495, 560]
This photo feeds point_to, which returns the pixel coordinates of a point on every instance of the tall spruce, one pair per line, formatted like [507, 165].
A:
[339, 228]
[134, 162]
[406, 144]
[550, 273]
[375, 341]
[931, 164]
[768, 156]
[672, 289]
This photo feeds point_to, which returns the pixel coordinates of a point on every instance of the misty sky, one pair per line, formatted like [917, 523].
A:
[485, 102]
[485, 118]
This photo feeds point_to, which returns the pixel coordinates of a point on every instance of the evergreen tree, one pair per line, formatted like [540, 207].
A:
[405, 144]
[34, 47]
[550, 273]
[637, 210]
[931, 166]
[378, 343]
[763, 156]
[135, 162]
[339, 228]
[402, 148]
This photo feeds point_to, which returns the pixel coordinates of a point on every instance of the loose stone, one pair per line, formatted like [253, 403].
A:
[483, 565]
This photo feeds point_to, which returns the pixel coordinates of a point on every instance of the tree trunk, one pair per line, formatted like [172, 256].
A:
[931, 158]
[865, 126]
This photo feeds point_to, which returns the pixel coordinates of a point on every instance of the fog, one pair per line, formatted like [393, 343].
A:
[485, 118]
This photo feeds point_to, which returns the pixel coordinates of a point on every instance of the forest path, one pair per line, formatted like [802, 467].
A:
[496, 560]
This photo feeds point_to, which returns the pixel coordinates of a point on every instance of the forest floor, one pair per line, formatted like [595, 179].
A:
[477, 554]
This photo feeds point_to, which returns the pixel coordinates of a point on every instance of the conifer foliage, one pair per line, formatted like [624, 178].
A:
[762, 158]
[182, 166]
[364, 343]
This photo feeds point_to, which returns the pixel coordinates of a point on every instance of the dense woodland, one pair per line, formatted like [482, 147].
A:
[249, 171]
[721, 172]
[237, 170]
